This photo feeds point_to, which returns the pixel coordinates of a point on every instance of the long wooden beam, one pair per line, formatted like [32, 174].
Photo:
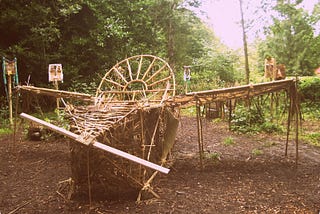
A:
[238, 92]
[257, 86]
[96, 144]
[56, 93]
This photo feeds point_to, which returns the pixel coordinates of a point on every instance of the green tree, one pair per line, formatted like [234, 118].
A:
[89, 36]
[183, 31]
[245, 44]
[85, 36]
[291, 38]
[30, 32]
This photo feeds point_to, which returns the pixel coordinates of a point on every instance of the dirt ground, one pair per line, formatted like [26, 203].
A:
[251, 175]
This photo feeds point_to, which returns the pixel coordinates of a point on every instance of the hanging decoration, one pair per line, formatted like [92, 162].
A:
[10, 79]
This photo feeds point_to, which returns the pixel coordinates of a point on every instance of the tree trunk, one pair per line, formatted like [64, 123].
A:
[245, 45]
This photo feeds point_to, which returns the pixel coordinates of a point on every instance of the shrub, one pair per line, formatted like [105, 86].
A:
[253, 120]
[4, 112]
[270, 127]
[309, 89]
[310, 110]
[256, 152]
[5, 131]
[214, 156]
[83, 87]
[246, 120]
[228, 141]
[189, 111]
[313, 138]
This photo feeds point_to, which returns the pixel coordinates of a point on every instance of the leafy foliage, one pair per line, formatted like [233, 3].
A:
[313, 138]
[228, 141]
[216, 70]
[213, 156]
[87, 36]
[5, 131]
[309, 89]
[291, 39]
[310, 111]
[256, 152]
[4, 113]
[190, 111]
[253, 120]
[270, 127]
[246, 120]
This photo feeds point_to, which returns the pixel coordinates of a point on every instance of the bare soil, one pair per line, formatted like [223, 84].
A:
[251, 175]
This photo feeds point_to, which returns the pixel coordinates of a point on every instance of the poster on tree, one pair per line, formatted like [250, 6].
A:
[10, 67]
[55, 72]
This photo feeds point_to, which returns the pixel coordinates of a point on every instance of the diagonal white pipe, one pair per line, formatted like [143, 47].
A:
[96, 144]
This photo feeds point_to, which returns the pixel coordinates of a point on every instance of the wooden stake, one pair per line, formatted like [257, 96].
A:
[230, 114]
[271, 106]
[56, 87]
[200, 136]
[297, 114]
[20, 206]
[289, 120]
[10, 100]
[142, 142]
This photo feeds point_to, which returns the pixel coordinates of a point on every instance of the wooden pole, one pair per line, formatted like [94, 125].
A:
[230, 114]
[245, 43]
[10, 100]
[96, 144]
[56, 87]
[200, 136]
[297, 114]
[289, 120]
[271, 106]
[15, 117]
[143, 146]
[297, 134]
[186, 87]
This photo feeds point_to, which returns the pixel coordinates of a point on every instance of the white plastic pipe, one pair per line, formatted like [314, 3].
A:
[96, 144]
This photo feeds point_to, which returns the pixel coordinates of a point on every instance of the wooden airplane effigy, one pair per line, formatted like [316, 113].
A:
[124, 136]
[130, 118]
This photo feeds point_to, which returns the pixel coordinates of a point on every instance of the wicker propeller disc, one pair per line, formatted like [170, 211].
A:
[142, 78]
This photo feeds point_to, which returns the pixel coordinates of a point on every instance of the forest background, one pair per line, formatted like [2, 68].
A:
[88, 37]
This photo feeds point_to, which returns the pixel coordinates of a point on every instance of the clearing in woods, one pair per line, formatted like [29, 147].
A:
[244, 174]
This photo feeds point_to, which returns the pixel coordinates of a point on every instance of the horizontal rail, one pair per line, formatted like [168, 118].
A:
[55, 93]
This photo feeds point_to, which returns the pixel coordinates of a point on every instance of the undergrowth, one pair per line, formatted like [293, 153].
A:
[228, 141]
[4, 115]
[311, 113]
[190, 111]
[312, 138]
[253, 120]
